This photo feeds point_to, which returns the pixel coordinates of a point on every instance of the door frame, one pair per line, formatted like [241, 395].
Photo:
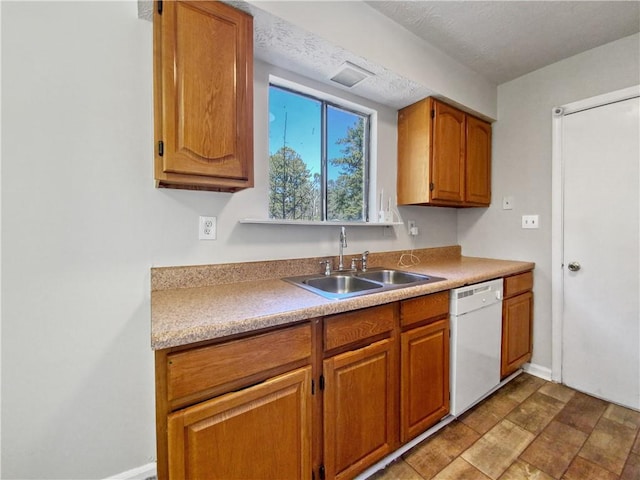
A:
[557, 213]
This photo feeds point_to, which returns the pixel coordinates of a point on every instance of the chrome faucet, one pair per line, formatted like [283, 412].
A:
[343, 244]
[327, 266]
[362, 260]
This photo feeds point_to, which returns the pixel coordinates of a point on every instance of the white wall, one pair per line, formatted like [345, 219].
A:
[78, 225]
[82, 224]
[522, 164]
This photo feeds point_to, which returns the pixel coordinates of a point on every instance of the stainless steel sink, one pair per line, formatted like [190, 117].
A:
[393, 277]
[341, 284]
[350, 284]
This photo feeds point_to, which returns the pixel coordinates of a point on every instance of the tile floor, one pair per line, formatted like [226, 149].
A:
[529, 429]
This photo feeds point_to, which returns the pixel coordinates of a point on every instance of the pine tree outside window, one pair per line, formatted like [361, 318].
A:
[318, 159]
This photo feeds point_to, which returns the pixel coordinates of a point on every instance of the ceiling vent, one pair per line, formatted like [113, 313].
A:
[350, 75]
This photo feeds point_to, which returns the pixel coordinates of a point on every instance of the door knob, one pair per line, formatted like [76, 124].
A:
[574, 266]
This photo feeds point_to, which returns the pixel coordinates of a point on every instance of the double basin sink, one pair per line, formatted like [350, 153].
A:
[345, 284]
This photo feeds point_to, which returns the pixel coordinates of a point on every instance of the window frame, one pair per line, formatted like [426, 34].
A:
[328, 100]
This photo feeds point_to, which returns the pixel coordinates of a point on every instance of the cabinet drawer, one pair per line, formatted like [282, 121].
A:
[430, 306]
[518, 283]
[204, 368]
[346, 328]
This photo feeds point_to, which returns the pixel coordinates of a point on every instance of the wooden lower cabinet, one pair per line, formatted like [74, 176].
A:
[517, 323]
[360, 417]
[326, 398]
[517, 336]
[424, 390]
[262, 431]
[238, 408]
[424, 363]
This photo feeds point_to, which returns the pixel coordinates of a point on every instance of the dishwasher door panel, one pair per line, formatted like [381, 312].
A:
[475, 355]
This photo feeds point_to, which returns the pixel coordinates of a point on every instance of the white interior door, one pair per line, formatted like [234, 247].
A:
[601, 321]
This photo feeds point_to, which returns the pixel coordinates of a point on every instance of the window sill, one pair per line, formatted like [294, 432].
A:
[309, 223]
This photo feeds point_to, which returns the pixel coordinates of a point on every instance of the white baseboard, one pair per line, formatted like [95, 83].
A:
[538, 371]
[140, 473]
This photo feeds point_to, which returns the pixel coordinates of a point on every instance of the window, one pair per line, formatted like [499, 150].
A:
[318, 158]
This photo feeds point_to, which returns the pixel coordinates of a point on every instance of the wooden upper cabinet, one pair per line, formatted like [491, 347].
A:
[444, 156]
[448, 157]
[478, 167]
[203, 88]
[414, 153]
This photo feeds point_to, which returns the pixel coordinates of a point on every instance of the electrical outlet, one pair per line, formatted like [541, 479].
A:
[207, 228]
[530, 221]
[412, 228]
[507, 203]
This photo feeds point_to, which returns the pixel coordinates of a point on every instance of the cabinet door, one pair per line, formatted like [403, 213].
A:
[517, 339]
[204, 80]
[260, 432]
[414, 150]
[478, 168]
[424, 397]
[448, 156]
[360, 416]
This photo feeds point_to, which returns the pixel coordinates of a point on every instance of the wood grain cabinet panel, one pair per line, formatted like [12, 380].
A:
[360, 413]
[424, 389]
[203, 87]
[449, 150]
[260, 432]
[202, 369]
[516, 284]
[240, 408]
[424, 363]
[444, 156]
[360, 325]
[478, 167]
[421, 309]
[517, 323]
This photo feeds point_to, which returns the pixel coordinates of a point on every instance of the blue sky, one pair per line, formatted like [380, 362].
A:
[304, 128]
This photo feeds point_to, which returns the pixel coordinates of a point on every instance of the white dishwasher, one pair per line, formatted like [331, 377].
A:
[476, 331]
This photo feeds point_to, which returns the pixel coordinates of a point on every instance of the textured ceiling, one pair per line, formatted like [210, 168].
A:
[286, 46]
[500, 40]
[503, 40]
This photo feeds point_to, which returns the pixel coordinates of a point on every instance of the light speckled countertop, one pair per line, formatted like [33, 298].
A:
[193, 304]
